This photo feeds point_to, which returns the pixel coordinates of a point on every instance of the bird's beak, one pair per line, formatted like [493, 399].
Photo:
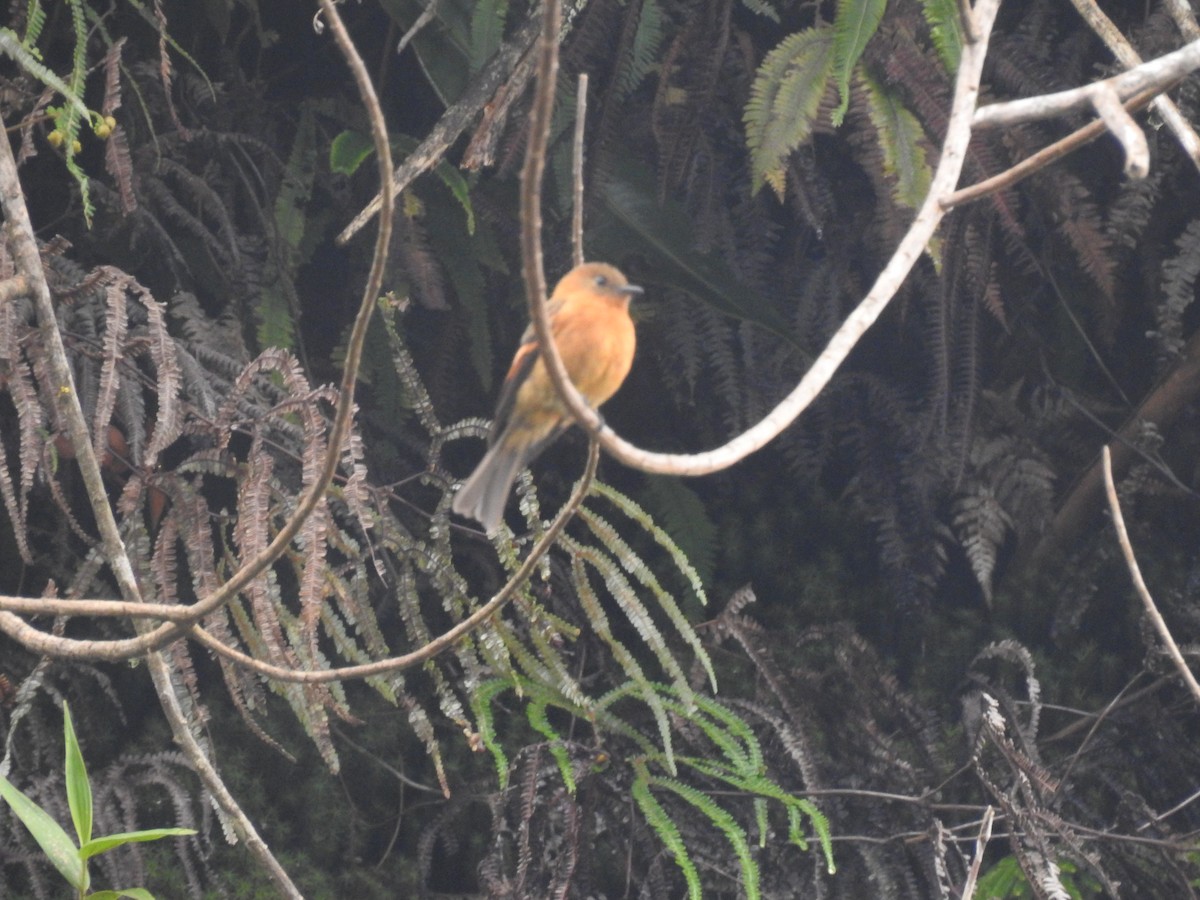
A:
[632, 289]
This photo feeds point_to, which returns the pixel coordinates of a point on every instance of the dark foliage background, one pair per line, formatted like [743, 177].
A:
[942, 618]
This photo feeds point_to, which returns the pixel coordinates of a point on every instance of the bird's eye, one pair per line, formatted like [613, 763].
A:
[601, 281]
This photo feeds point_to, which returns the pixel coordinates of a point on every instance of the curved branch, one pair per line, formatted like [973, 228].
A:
[1139, 583]
[958, 134]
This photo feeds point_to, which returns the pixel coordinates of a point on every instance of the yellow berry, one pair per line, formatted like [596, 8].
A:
[110, 122]
[76, 146]
[55, 138]
[103, 130]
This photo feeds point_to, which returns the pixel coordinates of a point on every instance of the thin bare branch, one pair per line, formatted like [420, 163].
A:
[1139, 584]
[985, 835]
[577, 169]
[452, 124]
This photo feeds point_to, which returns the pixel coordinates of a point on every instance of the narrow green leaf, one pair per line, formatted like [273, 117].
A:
[855, 24]
[728, 825]
[348, 151]
[79, 791]
[54, 841]
[108, 842]
[135, 893]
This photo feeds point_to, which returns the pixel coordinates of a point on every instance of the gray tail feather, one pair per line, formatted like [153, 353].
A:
[485, 494]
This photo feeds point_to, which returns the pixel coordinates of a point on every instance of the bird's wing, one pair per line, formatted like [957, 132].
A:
[523, 360]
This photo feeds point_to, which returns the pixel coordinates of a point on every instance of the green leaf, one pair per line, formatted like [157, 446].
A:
[855, 24]
[136, 893]
[487, 30]
[900, 138]
[665, 828]
[643, 56]
[276, 304]
[79, 791]
[54, 841]
[633, 221]
[783, 102]
[348, 151]
[108, 842]
[942, 16]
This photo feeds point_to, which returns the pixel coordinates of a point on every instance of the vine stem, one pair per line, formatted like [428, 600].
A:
[1139, 583]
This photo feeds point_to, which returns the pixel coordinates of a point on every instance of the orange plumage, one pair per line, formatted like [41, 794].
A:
[589, 319]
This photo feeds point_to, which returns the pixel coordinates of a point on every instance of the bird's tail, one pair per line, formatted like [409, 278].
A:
[484, 495]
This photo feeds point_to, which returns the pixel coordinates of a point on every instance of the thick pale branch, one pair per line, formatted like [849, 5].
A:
[958, 134]
[1118, 120]
[1041, 159]
[1128, 57]
[1155, 75]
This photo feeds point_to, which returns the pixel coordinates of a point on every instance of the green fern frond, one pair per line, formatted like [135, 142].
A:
[28, 60]
[684, 517]
[855, 24]
[724, 821]
[942, 16]
[762, 8]
[783, 102]
[485, 724]
[487, 30]
[627, 598]
[535, 712]
[660, 536]
[900, 138]
[665, 828]
[599, 621]
[643, 53]
[35, 21]
[637, 567]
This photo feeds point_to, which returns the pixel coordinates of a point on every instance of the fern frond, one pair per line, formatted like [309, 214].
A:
[783, 102]
[854, 24]
[724, 821]
[643, 52]
[665, 828]
[944, 26]
[1179, 275]
[599, 622]
[902, 141]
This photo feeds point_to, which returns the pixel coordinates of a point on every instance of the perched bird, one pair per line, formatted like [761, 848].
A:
[589, 318]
